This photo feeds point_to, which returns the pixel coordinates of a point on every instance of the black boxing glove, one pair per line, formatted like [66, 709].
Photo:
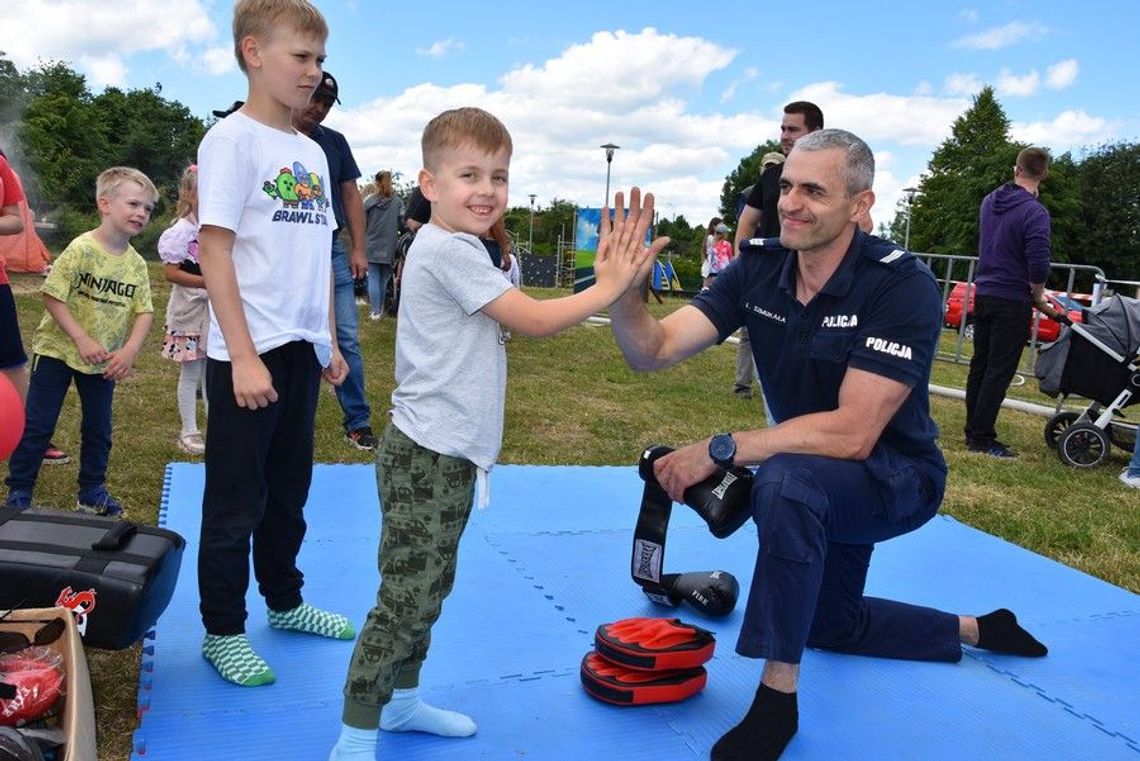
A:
[713, 593]
[723, 500]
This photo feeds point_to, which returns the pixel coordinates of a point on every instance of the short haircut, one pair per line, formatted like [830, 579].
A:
[463, 126]
[859, 167]
[259, 18]
[813, 116]
[1033, 162]
[111, 181]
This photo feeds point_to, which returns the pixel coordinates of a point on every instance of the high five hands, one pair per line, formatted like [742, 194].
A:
[623, 259]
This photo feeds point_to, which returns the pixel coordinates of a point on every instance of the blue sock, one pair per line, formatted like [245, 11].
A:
[405, 712]
[355, 744]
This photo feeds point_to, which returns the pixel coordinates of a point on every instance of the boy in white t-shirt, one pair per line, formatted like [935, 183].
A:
[263, 249]
[447, 419]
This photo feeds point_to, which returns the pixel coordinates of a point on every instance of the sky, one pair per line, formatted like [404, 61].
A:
[685, 89]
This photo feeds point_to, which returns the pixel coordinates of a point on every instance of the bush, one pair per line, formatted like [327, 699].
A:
[71, 222]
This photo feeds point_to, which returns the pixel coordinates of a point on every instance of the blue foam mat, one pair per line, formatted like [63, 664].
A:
[548, 562]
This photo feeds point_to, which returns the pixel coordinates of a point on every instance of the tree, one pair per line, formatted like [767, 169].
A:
[977, 157]
[1109, 186]
[747, 172]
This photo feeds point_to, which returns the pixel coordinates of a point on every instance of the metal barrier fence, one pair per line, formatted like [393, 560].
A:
[949, 270]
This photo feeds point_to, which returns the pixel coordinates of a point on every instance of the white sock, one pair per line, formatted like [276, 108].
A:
[355, 744]
[405, 712]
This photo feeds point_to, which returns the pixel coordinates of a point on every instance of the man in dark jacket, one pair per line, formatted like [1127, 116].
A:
[1013, 262]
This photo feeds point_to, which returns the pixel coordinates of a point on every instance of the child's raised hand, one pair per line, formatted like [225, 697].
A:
[623, 258]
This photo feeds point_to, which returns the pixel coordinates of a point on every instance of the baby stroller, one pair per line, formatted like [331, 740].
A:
[1096, 359]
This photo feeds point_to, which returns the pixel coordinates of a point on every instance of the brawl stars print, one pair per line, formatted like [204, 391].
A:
[302, 196]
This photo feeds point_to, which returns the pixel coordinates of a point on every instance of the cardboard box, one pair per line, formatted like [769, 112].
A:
[79, 707]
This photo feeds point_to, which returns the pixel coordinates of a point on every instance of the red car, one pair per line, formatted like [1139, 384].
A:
[1047, 330]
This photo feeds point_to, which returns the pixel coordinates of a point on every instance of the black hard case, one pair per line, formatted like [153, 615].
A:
[127, 570]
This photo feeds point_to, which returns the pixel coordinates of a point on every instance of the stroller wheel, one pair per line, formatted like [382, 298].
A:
[1083, 446]
[1057, 425]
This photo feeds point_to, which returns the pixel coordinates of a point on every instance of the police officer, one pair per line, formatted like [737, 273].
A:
[844, 329]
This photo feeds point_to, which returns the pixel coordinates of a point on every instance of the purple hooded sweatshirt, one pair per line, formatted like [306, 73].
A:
[1013, 245]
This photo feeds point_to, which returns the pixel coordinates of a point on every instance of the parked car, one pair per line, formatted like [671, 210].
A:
[1047, 330]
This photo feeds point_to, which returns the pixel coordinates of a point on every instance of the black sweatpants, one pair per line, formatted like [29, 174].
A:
[259, 464]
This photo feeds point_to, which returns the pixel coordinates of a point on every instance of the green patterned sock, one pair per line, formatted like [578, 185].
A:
[235, 660]
[306, 618]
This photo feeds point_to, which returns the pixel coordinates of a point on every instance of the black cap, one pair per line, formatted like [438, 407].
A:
[222, 113]
[327, 87]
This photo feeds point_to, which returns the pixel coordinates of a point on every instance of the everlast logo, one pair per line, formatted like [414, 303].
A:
[106, 285]
[645, 560]
[722, 487]
[893, 348]
[841, 321]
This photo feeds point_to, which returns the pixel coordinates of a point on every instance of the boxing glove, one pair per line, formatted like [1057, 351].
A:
[713, 593]
[723, 500]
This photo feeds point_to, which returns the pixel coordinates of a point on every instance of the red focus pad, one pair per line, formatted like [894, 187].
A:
[654, 644]
[623, 686]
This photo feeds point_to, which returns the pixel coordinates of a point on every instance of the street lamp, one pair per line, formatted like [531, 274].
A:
[909, 209]
[530, 238]
[609, 148]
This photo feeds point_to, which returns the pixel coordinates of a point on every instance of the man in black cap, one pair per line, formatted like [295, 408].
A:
[348, 208]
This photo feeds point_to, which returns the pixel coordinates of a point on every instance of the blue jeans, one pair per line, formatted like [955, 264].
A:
[378, 275]
[819, 519]
[350, 394]
[46, 390]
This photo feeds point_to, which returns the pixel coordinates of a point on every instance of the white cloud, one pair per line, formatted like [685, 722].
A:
[440, 48]
[999, 37]
[969, 15]
[104, 71]
[1067, 130]
[923, 88]
[100, 36]
[218, 60]
[962, 84]
[1062, 74]
[1018, 86]
[875, 117]
[746, 76]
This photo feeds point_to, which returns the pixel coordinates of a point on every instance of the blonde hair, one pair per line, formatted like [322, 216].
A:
[384, 183]
[259, 18]
[463, 126]
[111, 181]
[187, 192]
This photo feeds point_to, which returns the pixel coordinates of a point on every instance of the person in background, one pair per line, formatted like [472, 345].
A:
[383, 211]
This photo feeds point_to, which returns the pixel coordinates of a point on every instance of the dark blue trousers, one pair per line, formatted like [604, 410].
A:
[819, 519]
[47, 389]
[259, 465]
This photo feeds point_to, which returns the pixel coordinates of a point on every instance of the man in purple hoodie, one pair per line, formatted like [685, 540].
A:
[1013, 262]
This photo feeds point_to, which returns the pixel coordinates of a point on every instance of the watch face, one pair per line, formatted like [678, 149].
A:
[722, 448]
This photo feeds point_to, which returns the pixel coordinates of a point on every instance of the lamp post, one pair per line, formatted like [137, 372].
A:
[909, 209]
[609, 148]
[530, 237]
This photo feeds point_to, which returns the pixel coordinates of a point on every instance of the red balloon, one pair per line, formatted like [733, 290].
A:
[11, 417]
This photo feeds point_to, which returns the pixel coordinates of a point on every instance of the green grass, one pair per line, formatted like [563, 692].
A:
[571, 400]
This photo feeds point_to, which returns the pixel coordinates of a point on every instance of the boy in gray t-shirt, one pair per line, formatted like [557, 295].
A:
[447, 417]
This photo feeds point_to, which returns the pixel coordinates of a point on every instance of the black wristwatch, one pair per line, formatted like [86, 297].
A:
[722, 450]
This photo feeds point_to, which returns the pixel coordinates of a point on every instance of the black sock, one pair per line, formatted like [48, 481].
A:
[999, 632]
[764, 731]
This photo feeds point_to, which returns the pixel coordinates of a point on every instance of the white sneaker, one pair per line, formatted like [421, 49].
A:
[192, 443]
[1127, 480]
[375, 315]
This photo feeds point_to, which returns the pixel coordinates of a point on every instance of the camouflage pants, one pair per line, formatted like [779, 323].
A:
[425, 502]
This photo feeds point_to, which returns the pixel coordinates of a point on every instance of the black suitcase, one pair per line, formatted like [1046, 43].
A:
[115, 576]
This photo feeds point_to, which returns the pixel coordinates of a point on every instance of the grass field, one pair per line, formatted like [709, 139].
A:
[571, 400]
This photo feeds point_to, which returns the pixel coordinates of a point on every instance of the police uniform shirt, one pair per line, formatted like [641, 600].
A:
[881, 312]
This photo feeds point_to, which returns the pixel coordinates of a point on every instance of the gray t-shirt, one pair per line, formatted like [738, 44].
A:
[451, 367]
